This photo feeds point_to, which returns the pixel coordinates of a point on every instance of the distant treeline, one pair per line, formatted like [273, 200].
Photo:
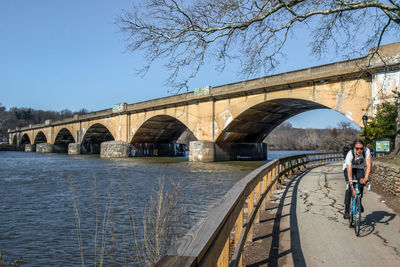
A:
[285, 137]
[20, 117]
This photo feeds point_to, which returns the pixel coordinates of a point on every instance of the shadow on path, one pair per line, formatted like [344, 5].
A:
[272, 240]
[369, 222]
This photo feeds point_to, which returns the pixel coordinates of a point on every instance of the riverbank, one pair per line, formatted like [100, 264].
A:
[8, 147]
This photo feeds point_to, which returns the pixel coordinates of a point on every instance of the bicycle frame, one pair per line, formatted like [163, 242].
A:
[355, 214]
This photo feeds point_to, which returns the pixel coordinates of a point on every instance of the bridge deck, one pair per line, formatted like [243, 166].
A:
[304, 225]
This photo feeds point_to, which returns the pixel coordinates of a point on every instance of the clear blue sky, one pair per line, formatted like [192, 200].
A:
[58, 55]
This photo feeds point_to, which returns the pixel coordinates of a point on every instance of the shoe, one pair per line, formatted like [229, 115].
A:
[346, 214]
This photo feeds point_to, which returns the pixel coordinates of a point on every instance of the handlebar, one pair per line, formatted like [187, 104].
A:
[356, 182]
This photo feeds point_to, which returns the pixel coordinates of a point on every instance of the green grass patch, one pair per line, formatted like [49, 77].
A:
[392, 159]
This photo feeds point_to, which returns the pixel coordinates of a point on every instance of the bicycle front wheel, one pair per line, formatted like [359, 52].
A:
[351, 218]
[357, 216]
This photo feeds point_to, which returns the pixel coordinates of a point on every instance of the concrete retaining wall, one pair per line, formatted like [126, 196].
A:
[387, 176]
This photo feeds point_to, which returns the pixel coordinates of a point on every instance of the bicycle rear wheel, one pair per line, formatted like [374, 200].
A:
[357, 216]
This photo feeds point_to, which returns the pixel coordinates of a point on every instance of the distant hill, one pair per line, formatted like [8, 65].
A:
[285, 137]
[20, 117]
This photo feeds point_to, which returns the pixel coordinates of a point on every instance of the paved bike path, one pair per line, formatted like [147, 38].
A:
[326, 239]
[303, 225]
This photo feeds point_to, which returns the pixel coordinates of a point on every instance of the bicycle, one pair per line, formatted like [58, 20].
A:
[355, 213]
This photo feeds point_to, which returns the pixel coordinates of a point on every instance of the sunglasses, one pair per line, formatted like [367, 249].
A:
[359, 148]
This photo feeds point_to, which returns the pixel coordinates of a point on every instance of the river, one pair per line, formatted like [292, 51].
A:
[37, 215]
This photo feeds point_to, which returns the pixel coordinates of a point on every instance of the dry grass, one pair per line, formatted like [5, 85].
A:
[161, 228]
[11, 263]
[161, 222]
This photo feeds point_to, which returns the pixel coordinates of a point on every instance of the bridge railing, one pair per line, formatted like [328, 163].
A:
[218, 239]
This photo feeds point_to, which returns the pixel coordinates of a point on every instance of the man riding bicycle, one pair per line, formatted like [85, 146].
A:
[357, 165]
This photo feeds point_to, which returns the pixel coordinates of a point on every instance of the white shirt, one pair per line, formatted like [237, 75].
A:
[349, 159]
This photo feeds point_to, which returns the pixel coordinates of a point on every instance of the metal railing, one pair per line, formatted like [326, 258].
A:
[230, 224]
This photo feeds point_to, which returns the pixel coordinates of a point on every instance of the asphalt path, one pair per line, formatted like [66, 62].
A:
[304, 226]
[326, 238]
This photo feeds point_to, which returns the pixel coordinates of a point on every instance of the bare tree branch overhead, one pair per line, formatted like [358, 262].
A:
[189, 34]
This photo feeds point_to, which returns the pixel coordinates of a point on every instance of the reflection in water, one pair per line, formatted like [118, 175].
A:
[37, 217]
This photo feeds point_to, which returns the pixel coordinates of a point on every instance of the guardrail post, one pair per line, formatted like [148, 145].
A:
[264, 187]
[257, 197]
[238, 231]
[250, 205]
[223, 259]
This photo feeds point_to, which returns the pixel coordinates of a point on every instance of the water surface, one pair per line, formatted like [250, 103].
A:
[37, 220]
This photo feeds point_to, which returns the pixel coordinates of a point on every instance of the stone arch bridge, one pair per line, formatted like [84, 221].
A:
[229, 121]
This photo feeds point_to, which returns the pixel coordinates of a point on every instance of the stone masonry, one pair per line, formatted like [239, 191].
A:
[387, 176]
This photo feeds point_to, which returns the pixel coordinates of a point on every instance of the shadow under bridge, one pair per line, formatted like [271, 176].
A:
[243, 138]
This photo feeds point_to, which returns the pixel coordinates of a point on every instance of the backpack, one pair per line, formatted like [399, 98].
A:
[346, 150]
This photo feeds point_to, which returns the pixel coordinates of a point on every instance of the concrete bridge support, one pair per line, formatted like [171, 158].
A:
[74, 148]
[30, 148]
[203, 151]
[115, 149]
[44, 148]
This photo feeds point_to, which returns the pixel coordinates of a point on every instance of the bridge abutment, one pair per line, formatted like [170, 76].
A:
[74, 148]
[115, 149]
[44, 148]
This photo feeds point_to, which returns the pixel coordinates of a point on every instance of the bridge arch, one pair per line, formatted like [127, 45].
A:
[25, 140]
[158, 136]
[159, 129]
[40, 138]
[94, 136]
[62, 140]
[14, 140]
[256, 122]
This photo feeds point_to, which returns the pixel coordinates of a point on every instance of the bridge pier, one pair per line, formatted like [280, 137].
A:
[206, 151]
[44, 148]
[203, 151]
[30, 148]
[115, 149]
[74, 148]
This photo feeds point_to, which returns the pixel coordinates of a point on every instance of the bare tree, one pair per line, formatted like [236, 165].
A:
[190, 33]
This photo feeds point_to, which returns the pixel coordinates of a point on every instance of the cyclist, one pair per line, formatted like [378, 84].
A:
[357, 165]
